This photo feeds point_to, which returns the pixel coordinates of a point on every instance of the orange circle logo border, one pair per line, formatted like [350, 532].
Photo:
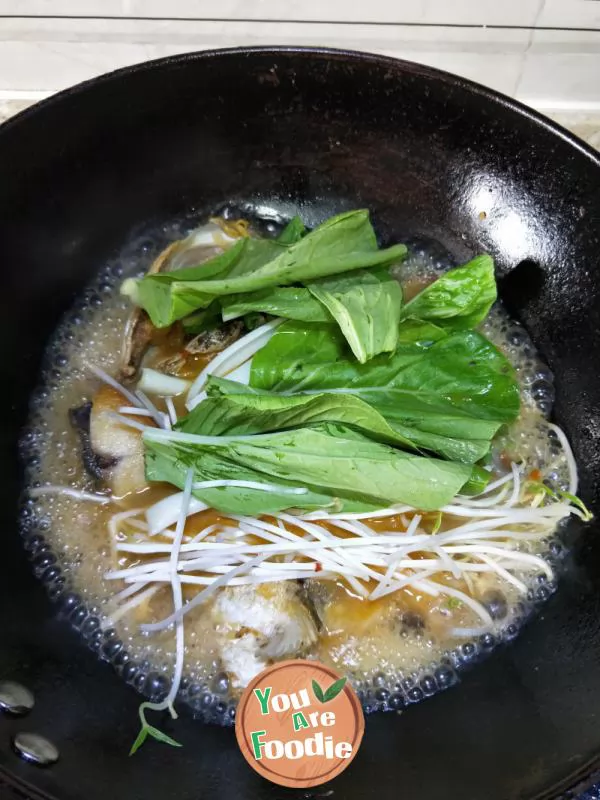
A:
[333, 724]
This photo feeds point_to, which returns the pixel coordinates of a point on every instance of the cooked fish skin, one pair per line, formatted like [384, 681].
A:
[187, 362]
[112, 440]
[260, 624]
[213, 341]
[202, 244]
[96, 465]
[139, 329]
[136, 340]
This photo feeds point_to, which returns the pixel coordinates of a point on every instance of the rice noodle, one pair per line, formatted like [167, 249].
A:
[124, 609]
[177, 593]
[504, 573]
[514, 497]
[357, 558]
[202, 596]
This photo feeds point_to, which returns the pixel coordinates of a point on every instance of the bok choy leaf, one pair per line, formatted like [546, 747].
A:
[293, 231]
[336, 464]
[233, 409]
[290, 302]
[366, 305]
[463, 370]
[459, 299]
[341, 244]
[458, 387]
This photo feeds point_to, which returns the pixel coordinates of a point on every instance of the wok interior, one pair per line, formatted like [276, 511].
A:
[317, 134]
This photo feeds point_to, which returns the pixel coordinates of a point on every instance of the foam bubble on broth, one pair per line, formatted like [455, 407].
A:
[391, 664]
[76, 530]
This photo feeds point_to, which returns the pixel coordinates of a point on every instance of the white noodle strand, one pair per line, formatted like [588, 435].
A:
[67, 491]
[571, 463]
[104, 376]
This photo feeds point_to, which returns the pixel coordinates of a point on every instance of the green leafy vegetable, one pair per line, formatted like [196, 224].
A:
[169, 296]
[366, 305]
[204, 320]
[459, 299]
[343, 243]
[419, 333]
[459, 387]
[332, 461]
[170, 462]
[462, 370]
[290, 302]
[292, 232]
[232, 410]
[237, 414]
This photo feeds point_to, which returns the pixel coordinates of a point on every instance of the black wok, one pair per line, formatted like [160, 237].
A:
[318, 132]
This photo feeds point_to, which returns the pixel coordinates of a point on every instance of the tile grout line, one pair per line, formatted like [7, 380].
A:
[274, 20]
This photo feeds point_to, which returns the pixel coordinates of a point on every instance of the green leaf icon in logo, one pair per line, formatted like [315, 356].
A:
[335, 689]
[318, 692]
[331, 692]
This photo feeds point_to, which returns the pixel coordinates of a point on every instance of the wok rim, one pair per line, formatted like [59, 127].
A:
[400, 64]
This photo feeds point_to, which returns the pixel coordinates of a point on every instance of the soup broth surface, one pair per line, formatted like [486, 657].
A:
[394, 649]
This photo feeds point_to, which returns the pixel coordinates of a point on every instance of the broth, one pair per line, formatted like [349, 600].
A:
[395, 649]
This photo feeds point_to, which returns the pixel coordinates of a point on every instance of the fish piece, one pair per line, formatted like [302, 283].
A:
[95, 464]
[202, 244]
[259, 624]
[139, 330]
[191, 358]
[213, 341]
[240, 659]
[111, 440]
